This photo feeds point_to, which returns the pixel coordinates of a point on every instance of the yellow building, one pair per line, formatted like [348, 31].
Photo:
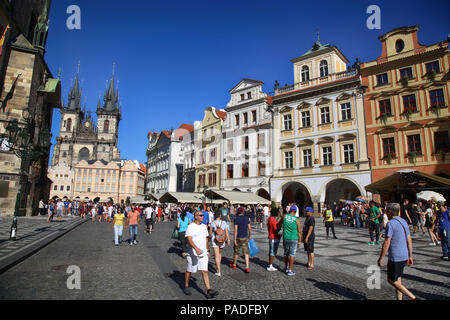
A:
[208, 140]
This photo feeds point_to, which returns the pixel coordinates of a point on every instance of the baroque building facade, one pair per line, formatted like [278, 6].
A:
[320, 153]
[246, 163]
[407, 105]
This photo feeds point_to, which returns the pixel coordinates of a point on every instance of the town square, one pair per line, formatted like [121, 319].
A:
[239, 152]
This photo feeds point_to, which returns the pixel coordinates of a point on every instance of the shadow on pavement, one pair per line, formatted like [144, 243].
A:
[436, 272]
[428, 296]
[336, 289]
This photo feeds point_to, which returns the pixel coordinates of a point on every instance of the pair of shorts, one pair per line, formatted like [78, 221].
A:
[195, 263]
[148, 222]
[214, 244]
[273, 247]
[395, 270]
[242, 243]
[309, 247]
[290, 247]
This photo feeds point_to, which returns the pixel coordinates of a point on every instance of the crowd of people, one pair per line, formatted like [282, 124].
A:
[200, 227]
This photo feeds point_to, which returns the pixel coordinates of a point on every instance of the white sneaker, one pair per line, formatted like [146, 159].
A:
[135, 242]
[217, 274]
[432, 244]
[271, 268]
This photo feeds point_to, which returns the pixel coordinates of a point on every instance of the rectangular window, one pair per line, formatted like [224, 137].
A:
[245, 143]
[61, 188]
[229, 145]
[68, 188]
[205, 133]
[254, 116]
[287, 122]
[325, 115]
[349, 154]
[212, 179]
[212, 154]
[245, 170]
[201, 180]
[245, 118]
[385, 107]
[236, 120]
[441, 141]
[55, 188]
[288, 160]
[346, 111]
[388, 146]
[414, 143]
[382, 79]
[307, 158]
[409, 103]
[261, 168]
[406, 72]
[437, 97]
[327, 156]
[306, 119]
[230, 171]
[242, 97]
[432, 66]
[249, 95]
[261, 140]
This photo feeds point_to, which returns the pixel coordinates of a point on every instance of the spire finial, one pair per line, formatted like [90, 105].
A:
[318, 35]
[78, 68]
[59, 73]
[114, 68]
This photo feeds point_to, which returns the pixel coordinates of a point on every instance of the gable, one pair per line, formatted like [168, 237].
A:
[246, 84]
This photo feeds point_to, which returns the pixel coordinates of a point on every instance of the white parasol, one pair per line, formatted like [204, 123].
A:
[428, 195]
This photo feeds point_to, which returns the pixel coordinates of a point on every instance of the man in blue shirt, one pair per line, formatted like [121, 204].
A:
[399, 244]
[189, 215]
[443, 225]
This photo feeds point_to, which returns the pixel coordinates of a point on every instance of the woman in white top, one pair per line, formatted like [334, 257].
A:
[429, 215]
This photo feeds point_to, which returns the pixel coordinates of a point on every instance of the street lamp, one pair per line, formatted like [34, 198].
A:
[20, 141]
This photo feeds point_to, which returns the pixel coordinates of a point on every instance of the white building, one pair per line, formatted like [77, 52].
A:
[187, 158]
[62, 176]
[247, 140]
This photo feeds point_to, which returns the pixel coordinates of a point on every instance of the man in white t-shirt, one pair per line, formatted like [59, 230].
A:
[266, 213]
[60, 209]
[198, 254]
[148, 219]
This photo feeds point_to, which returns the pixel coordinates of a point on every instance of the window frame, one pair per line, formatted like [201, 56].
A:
[327, 156]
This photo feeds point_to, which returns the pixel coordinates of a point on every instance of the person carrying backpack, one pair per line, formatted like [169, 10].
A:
[219, 234]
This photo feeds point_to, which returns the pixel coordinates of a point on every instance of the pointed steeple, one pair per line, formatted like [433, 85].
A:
[74, 101]
[111, 95]
[41, 29]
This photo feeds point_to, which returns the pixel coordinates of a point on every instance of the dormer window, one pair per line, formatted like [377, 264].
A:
[242, 97]
[305, 73]
[323, 68]
[399, 45]
[249, 95]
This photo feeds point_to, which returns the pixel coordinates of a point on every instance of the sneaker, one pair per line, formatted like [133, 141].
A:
[247, 270]
[377, 243]
[232, 266]
[290, 273]
[211, 293]
[135, 242]
[438, 242]
[446, 258]
[271, 268]
[286, 270]
[370, 243]
[432, 244]
[335, 237]
[217, 274]
[187, 291]
[131, 243]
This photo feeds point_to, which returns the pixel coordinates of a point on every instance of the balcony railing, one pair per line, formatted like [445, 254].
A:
[316, 81]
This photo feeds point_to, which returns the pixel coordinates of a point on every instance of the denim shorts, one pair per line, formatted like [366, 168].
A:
[273, 247]
[290, 247]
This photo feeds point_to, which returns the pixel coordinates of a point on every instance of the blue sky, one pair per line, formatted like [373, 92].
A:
[175, 58]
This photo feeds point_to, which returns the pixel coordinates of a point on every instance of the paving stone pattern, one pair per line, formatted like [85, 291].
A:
[154, 269]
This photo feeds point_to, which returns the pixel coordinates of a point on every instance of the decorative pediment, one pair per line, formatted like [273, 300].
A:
[344, 96]
[412, 125]
[245, 84]
[305, 142]
[285, 109]
[386, 129]
[326, 139]
[286, 145]
[304, 105]
[322, 101]
[347, 136]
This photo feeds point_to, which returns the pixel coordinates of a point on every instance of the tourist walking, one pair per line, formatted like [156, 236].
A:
[430, 217]
[149, 218]
[220, 237]
[308, 236]
[198, 254]
[182, 224]
[374, 224]
[118, 224]
[329, 221]
[93, 212]
[274, 228]
[133, 224]
[292, 238]
[398, 243]
[259, 215]
[51, 210]
[59, 209]
[443, 226]
[242, 234]
[41, 207]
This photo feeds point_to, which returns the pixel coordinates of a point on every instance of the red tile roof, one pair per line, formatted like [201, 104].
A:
[221, 114]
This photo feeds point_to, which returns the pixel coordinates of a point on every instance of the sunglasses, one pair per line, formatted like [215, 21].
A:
[199, 215]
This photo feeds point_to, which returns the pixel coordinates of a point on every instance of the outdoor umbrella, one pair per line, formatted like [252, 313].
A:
[349, 201]
[428, 195]
[361, 200]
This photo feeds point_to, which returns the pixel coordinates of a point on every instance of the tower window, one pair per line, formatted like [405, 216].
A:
[323, 68]
[69, 124]
[106, 126]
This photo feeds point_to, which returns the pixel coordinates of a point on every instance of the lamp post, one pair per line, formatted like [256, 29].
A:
[20, 139]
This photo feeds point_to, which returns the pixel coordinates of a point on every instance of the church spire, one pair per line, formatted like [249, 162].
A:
[74, 101]
[111, 95]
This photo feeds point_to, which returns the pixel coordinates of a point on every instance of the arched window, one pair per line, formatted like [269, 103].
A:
[323, 68]
[106, 126]
[305, 73]
[64, 154]
[83, 154]
[69, 124]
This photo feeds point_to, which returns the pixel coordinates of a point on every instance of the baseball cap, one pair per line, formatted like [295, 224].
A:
[309, 209]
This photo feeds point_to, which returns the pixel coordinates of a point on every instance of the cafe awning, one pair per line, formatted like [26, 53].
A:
[409, 180]
[236, 197]
[182, 197]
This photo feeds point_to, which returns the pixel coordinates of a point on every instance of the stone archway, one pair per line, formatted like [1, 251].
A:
[83, 154]
[341, 189]
[295, 192]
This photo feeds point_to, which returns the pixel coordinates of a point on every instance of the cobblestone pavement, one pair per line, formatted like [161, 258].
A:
[154, 269]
